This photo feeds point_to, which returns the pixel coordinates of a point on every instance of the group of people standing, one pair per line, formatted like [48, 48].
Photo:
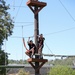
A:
[32, 47]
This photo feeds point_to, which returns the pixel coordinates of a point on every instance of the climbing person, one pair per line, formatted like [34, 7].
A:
[32, 48]
[40, 44]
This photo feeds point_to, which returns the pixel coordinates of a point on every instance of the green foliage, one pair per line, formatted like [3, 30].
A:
[6, 23]
[6, 27]
[3, 61]
[61, 70]
[3, 56]
[17, 61]
[22, 72]
[69, 61]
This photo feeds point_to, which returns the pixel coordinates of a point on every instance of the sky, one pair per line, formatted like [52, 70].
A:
[56, 23]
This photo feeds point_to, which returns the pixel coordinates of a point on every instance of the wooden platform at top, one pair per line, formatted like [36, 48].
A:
[36, 60]
[36, 3]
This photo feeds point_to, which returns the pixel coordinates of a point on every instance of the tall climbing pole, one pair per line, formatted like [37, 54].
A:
[36, 6]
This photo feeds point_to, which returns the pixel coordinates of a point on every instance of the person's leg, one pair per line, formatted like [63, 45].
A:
[27, 53]
[32, 50]
[40, 51]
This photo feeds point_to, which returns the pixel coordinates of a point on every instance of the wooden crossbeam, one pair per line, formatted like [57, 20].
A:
[36, 3]
[39, 4]
[40, 66]
[36, 60]
[32, 65]
[42, 62]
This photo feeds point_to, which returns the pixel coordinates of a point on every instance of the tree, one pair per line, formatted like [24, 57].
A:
[6, 23]
[61, 70]
[3, 61]
[6, 29]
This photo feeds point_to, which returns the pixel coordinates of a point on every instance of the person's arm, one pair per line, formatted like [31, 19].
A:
[38, 39]
[43, 38]
[28, 40]
[24, 44]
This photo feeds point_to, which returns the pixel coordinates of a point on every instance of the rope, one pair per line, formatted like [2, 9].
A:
[67, 11]
[48, 48]
[22, 45]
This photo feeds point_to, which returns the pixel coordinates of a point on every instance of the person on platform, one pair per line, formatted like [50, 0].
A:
[40, 44]
[32, 48]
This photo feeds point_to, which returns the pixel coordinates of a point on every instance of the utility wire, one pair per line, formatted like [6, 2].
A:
[23, 22]
[67, 11]
[21, 37]
[18, 6]
[61, 31]
[46, 34]
[23, 25]
[18, 10]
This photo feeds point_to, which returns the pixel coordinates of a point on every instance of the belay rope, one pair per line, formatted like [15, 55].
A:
[24, 44]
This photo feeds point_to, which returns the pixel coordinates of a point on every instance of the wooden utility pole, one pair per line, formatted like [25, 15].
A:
[36, 33]
[36, 6]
